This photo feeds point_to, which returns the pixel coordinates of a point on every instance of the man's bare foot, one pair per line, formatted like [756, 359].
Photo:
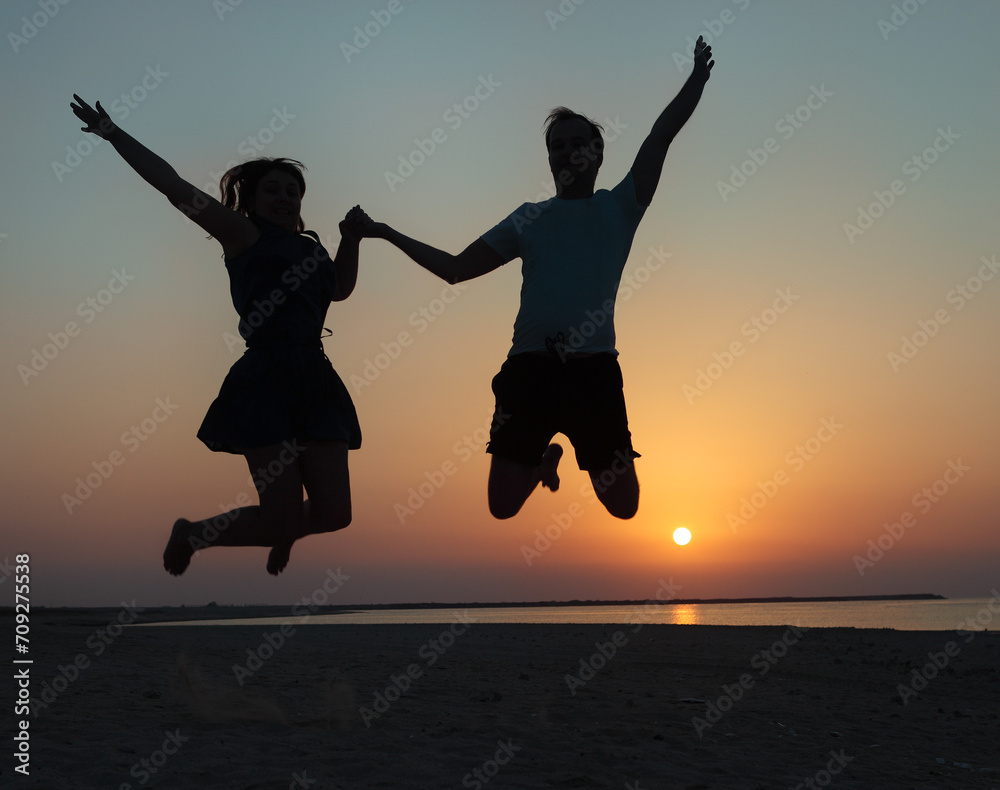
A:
[177, 555]
[547, 469]
[277, 559]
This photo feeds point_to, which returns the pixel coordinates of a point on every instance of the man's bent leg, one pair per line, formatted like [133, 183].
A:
[512, 482]
[618, 489]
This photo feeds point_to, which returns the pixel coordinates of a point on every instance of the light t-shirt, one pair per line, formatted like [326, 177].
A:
[573, 253]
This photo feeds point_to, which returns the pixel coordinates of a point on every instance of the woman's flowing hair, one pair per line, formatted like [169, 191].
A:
[239, 184]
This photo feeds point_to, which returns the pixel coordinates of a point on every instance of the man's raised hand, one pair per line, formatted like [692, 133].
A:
[703, 62]
[97, 121]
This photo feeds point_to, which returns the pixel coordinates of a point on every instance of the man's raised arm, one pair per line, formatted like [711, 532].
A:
[649, 161]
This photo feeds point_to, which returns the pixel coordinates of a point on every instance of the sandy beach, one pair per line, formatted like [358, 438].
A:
[461, 704]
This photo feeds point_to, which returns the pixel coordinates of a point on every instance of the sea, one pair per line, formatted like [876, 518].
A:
[969, 614]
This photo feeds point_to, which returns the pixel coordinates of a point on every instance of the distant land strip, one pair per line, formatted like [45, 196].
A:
[213, 611]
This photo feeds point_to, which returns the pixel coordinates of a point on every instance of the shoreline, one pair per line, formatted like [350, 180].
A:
[420, 706]
[214, 611]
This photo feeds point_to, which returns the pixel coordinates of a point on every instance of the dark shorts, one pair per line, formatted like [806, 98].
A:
[276, 394]
[540, 396]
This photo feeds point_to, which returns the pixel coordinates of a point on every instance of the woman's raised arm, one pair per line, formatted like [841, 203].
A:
[234, 231]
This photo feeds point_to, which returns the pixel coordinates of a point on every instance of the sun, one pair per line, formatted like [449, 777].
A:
[682, 536]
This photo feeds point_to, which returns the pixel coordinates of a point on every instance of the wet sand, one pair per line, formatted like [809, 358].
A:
[460, 704]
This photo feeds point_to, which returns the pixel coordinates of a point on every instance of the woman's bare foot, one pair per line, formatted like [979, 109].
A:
[177, 555]
[277, 559]
[547, 469]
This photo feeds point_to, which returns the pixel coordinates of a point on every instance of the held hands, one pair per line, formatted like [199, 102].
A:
[703, 62]
[97, 121]
[358, 225]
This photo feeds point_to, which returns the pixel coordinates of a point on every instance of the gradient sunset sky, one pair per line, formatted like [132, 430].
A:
[808, 328]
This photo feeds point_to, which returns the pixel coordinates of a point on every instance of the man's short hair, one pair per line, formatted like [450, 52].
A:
[566, 114]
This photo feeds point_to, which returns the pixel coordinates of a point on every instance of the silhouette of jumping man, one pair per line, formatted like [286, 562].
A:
[282, 405]
[562, 374]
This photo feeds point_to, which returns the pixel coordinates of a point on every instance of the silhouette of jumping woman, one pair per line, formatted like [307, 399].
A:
[562, 373]
[282, 405]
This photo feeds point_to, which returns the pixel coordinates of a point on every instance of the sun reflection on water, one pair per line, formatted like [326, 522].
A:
[685, 615]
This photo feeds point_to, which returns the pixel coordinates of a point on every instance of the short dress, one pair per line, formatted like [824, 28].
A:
[283, 387]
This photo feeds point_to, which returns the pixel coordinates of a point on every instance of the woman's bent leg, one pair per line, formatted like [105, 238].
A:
[327, 479]
[277, 521]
